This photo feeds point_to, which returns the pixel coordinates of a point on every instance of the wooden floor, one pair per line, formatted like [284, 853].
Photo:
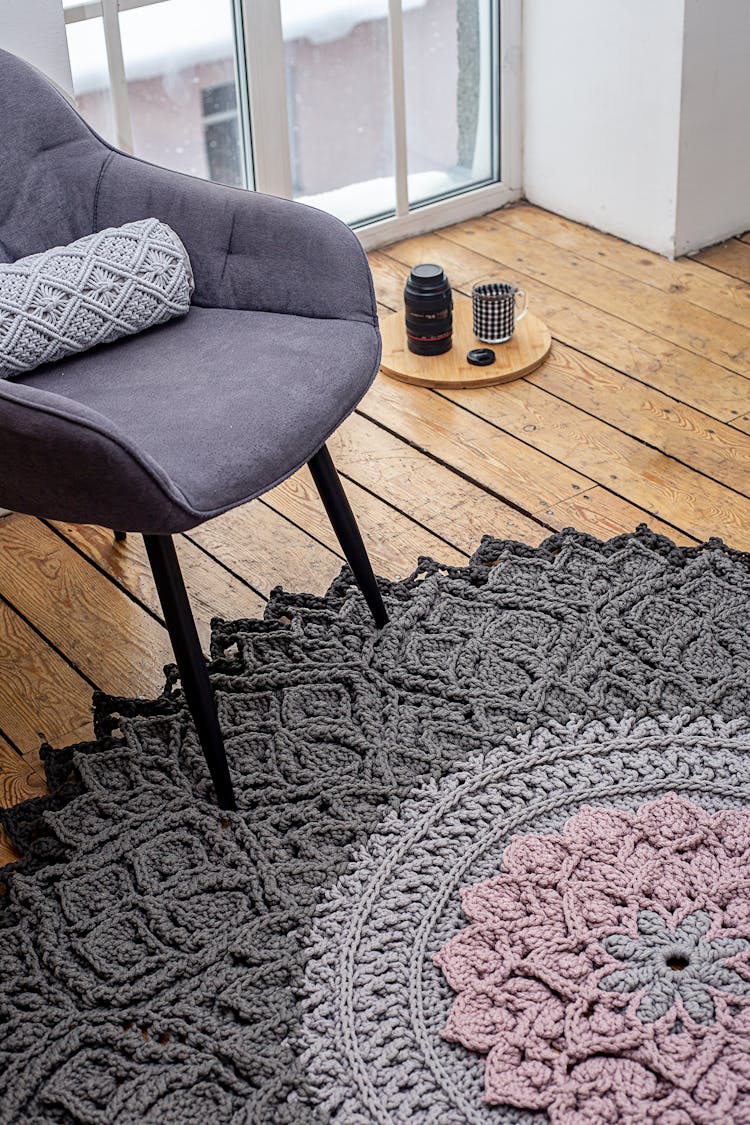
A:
[641, 413]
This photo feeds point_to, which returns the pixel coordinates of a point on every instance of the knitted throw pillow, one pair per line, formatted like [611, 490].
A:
[93, 291]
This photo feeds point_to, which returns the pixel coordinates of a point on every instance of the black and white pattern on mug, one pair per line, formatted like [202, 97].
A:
[494, 309]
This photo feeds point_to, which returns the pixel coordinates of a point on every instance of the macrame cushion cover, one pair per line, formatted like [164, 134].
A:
[110, 284]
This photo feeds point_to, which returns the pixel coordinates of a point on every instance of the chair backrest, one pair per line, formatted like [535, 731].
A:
[50, 162]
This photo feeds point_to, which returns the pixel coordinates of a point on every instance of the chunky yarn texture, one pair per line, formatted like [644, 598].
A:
[309, 958]
[110, 284]
[607, 965]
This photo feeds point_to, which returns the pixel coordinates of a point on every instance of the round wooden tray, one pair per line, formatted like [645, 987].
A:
[527, 348]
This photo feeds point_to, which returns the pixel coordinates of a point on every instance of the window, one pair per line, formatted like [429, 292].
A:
[452, 95]
[339, 106]
[142, 73]
[395, 115]
[221, 132]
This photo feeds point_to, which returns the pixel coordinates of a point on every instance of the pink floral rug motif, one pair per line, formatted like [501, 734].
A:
[605, 975]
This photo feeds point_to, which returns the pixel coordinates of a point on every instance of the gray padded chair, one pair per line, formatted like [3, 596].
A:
[159, 432]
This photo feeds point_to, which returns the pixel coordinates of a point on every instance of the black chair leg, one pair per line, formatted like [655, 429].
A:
[345, 525]
[189, 658]
[120, 536]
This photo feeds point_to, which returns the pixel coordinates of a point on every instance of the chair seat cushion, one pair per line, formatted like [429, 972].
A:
[226, 402]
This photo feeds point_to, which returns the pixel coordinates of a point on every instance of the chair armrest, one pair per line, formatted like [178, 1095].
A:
[248, 250]
[60, 459]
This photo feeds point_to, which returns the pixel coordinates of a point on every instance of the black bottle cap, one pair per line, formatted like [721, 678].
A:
[481, 357]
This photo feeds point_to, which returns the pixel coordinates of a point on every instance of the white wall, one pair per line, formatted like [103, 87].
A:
[713, 195]
[34, 29]
[601, 113]
[637, 117]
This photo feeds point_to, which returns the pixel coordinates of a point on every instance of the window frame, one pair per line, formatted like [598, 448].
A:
[262, 109]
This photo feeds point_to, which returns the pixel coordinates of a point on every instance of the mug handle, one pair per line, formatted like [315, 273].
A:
[525, 309]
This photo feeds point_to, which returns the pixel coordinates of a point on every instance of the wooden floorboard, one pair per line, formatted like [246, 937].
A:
[74, 605]
[641, 414]
[636, 472]
[453, 507]
[42, 698]
[214, 590]
[20, 776]
[709, 290]
[396, 541]
[660, 421]
[732, 258]
[670, 317]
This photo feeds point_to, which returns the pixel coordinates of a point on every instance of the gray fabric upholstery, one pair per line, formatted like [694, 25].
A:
[248, 251]
[224, 401]
[157, 432]
[50, 162]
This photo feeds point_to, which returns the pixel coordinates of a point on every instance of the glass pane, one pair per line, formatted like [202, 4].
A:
[88, 62]
[181, 73]
[449, 68]
[339, 101]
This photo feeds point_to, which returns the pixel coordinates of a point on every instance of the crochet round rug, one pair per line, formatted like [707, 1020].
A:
[491, 864]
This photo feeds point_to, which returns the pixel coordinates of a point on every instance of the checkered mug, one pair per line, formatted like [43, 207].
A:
[494, 309]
